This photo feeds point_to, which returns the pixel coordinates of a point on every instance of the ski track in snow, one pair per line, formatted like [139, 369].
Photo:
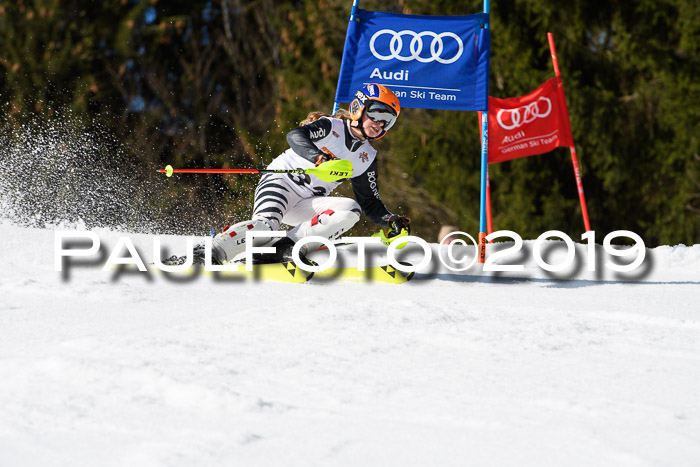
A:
[450, 369]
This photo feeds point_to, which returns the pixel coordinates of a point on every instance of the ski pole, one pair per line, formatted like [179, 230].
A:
[330, 171]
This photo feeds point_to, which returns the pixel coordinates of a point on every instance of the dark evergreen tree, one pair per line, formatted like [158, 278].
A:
[216, 83]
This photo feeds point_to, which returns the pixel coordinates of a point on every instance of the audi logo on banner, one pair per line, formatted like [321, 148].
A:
[396, 46]
[525, 114]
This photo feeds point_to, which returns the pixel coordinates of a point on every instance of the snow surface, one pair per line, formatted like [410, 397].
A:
[509, 369]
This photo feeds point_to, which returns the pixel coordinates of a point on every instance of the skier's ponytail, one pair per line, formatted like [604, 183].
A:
[315, 115]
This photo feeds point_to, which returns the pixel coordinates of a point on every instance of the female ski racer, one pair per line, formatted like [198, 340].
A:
[301, 200]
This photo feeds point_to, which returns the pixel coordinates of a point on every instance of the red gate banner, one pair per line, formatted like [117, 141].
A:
[532, 124]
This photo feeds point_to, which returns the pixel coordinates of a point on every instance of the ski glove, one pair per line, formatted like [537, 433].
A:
[397, 224]
[321, 158]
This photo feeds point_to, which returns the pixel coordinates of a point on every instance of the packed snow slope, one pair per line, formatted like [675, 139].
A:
[481, 369]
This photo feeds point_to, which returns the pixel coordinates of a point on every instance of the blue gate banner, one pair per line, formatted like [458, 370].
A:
[430, 62]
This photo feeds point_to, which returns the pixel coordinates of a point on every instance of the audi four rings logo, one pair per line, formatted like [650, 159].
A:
[416, 46]
[525, 114]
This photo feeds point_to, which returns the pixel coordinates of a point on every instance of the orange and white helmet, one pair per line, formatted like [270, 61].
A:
[379, 103]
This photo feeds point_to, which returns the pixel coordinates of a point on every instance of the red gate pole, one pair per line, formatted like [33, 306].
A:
[572, 148]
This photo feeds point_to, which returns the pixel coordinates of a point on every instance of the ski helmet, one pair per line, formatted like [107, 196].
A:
[379, 103]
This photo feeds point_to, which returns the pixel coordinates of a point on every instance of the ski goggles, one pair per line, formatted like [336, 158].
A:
[379, 112]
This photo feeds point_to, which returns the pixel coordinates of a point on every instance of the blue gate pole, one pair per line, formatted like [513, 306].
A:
[353, 15]
[484, 164]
